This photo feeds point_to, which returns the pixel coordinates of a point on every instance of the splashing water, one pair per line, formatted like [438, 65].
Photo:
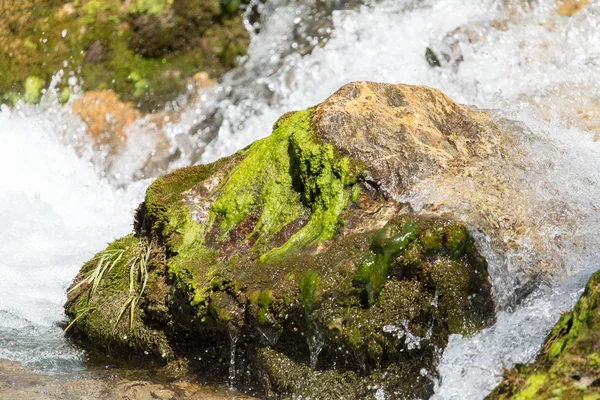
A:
[472, 367]
[54, 213]
[233, 338]
[526, 62]
[315, 342]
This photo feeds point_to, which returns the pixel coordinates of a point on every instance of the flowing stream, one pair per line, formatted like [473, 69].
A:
[60, 203]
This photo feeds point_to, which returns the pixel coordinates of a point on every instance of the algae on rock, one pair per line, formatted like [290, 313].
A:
[287, 254]
[145, 50]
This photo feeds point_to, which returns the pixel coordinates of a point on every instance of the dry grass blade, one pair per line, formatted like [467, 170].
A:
[132, 275]
[106, 261]
[101, 271]
[140, 266]
[131, 313]
[144, 269]
[126, 304]
[138, 278]
[82, 314]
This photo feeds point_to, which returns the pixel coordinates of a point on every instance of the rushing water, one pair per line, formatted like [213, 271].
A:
[54, 213]
[59, 203]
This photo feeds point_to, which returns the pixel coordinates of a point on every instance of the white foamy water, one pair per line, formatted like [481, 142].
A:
[55, 211]
[472, 367]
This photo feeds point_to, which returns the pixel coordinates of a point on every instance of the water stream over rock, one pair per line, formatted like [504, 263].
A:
[61, 201]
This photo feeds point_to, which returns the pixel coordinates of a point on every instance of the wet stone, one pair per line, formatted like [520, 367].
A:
[288, 267]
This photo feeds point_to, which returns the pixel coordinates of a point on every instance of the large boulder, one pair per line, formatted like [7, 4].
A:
[293, 265]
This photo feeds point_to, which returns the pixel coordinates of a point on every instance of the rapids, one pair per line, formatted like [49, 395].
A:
[60, 202]
[54, 211]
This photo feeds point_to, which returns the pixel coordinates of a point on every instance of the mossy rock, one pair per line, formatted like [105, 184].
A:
[144, 50]
[286, 255]
[568, 367]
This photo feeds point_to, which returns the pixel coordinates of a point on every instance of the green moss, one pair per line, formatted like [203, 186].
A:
[222, 307]
[431, 240]
[372, 334]
[286, 377]
[265, 298]
[282, 177]
[264, 301]
[261, 182]
[217, 284]
[33, 89]
[283, 377]
[154, 7]
[572, 326]
[533, 384]
[165, 213]
[65, 95]
[231, 6]
[594, 360]
[457, 240]
[94, 8]
[442, 255]
[308, 289]
[191, 271]
[355, 193]
[10, 98]
[452, 282]
[559, 341]
[373, 270]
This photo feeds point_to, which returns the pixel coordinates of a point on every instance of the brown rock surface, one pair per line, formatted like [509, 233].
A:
[423, 148]
[106, 117]
[403, 133]
[570, 7]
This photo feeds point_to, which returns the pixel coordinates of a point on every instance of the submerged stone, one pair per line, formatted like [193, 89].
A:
[290, 267]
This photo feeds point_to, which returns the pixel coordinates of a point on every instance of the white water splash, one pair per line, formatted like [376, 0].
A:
[411, 341]
[472, 367]
[233, 339]
[506, 53]
[54, 214]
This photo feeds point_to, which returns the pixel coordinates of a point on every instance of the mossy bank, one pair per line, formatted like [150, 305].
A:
[144, 50]
[568, 367]
[287, 269]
